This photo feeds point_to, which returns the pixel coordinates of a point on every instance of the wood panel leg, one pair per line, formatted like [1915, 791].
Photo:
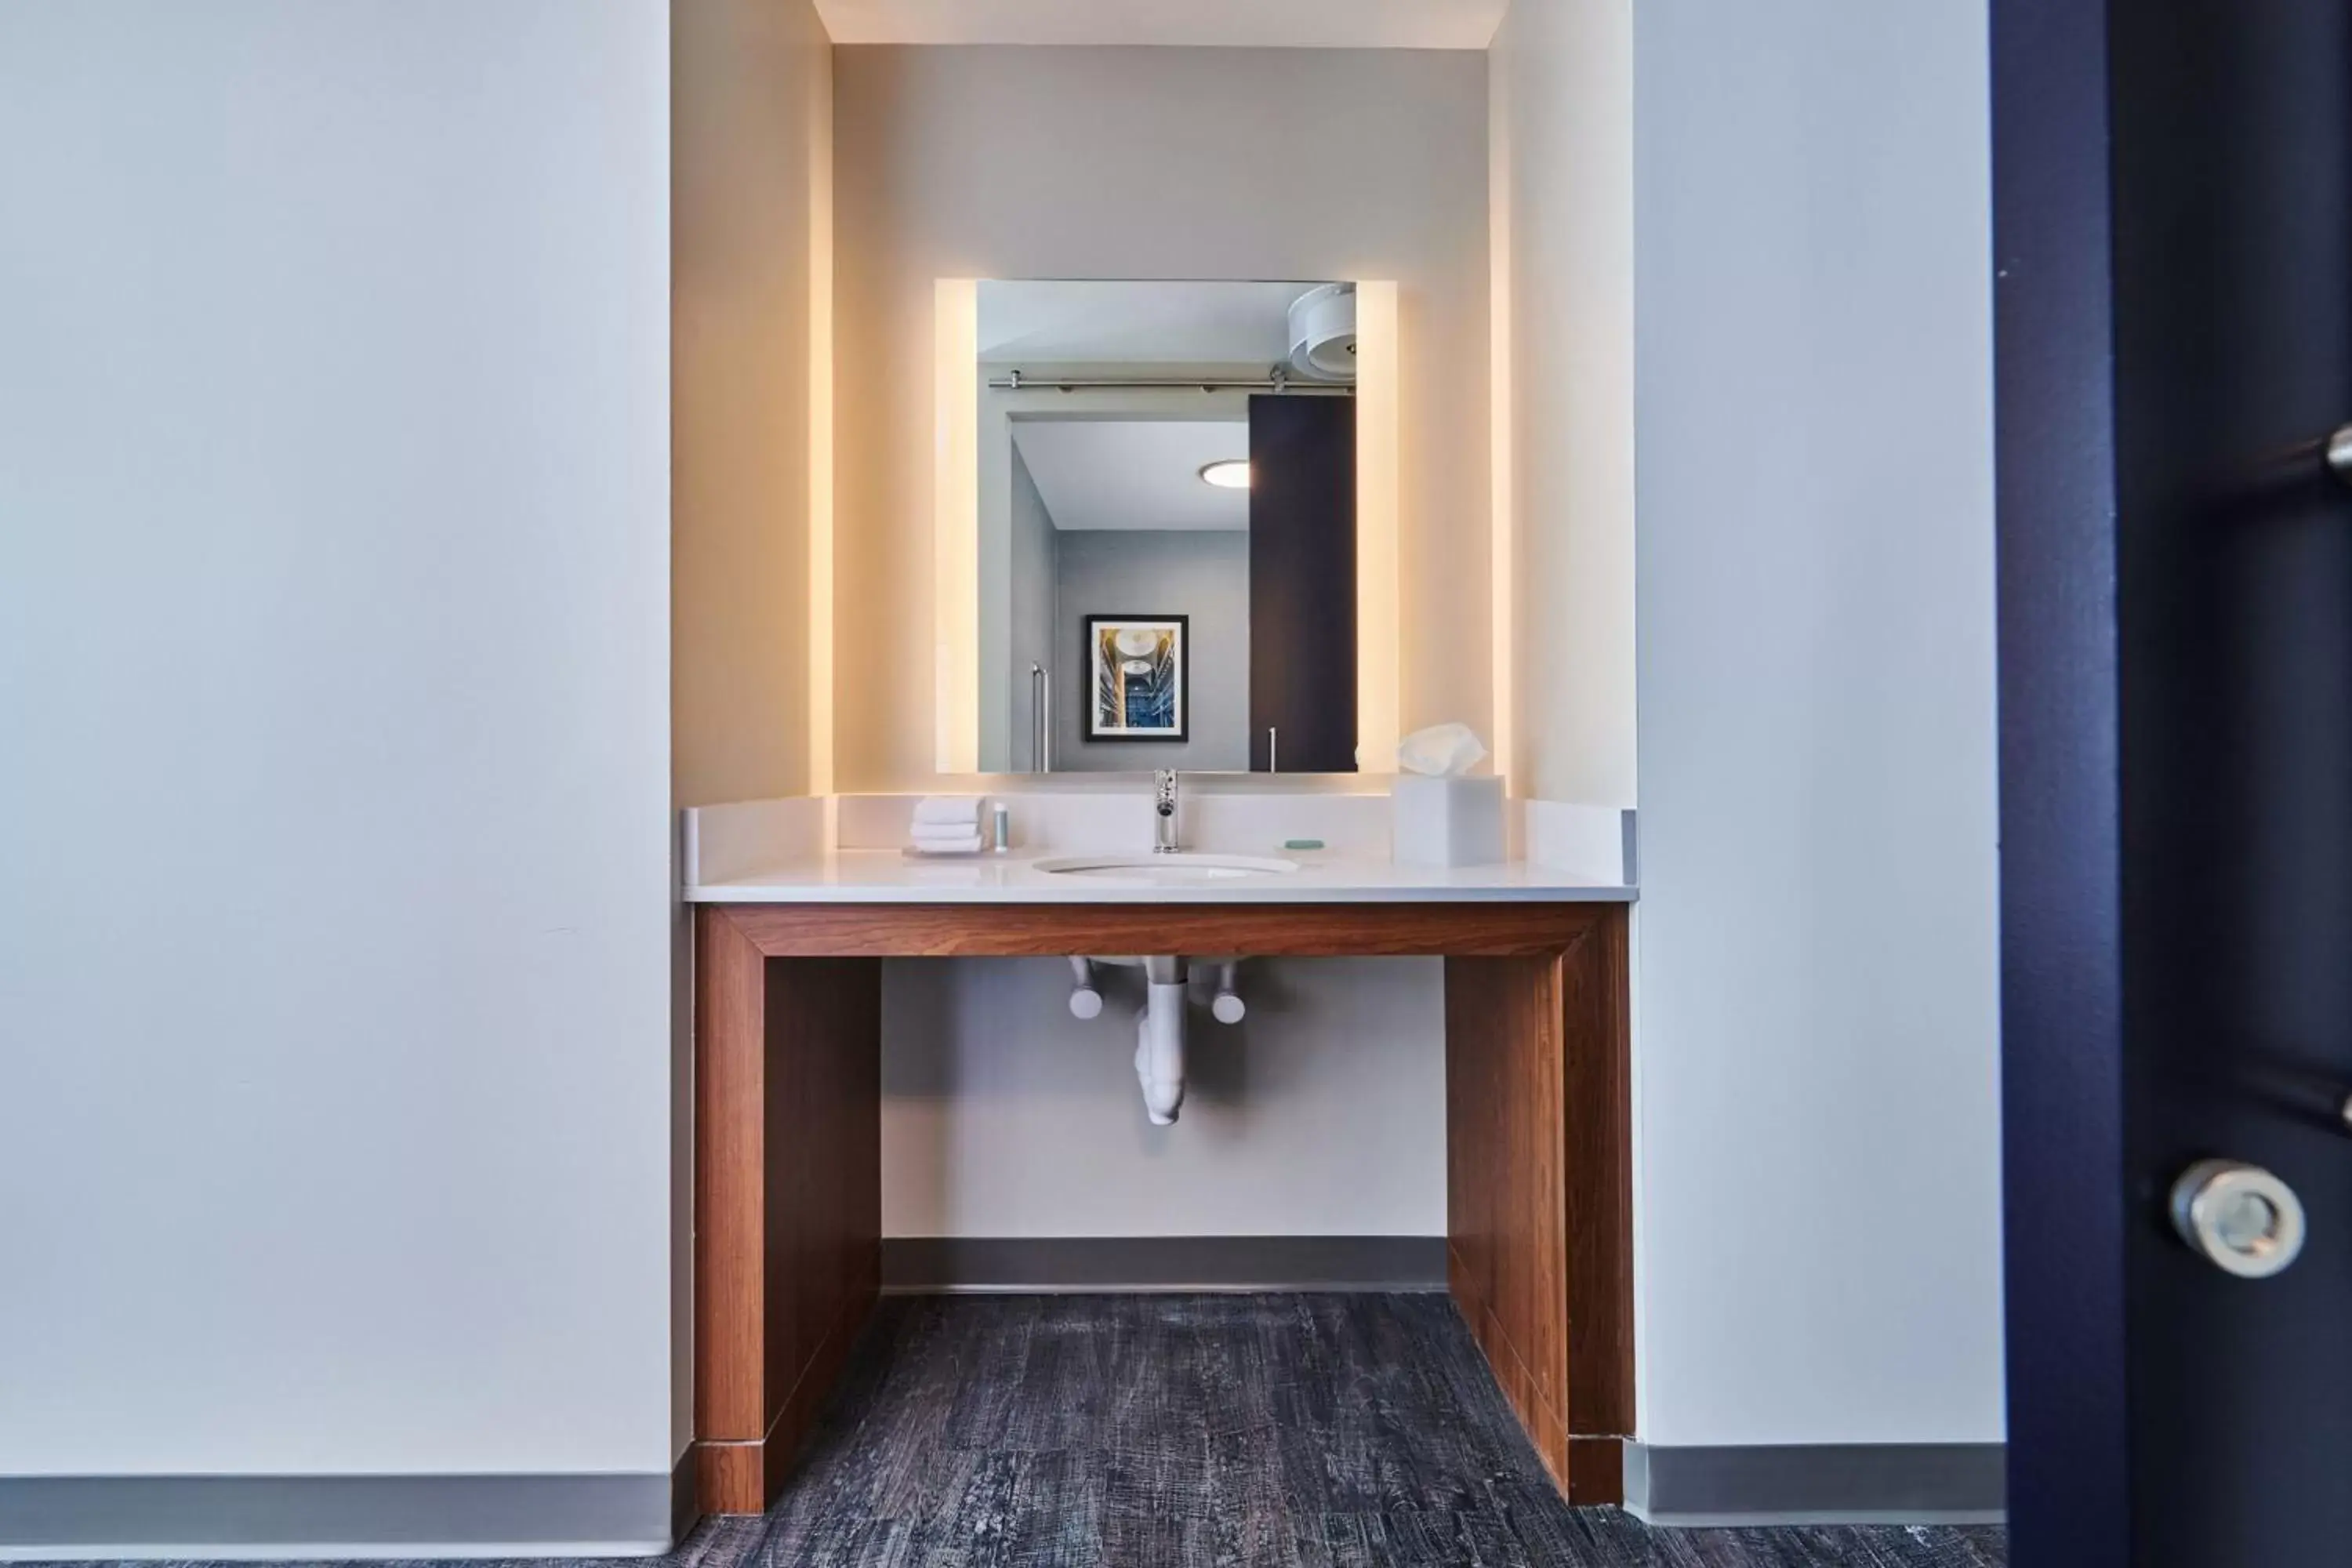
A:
[1597, 998]
[1506, 1182]
[1538, 1193]
[788, 1185]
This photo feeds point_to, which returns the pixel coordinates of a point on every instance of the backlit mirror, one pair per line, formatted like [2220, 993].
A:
[1167, 526]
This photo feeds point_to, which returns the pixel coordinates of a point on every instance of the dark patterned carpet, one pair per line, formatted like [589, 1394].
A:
[1355, 1431]
[1175, 1431]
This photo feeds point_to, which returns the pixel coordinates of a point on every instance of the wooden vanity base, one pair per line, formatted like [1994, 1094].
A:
[788, 1164]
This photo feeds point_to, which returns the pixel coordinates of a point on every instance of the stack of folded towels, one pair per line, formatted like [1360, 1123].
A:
[947, 825]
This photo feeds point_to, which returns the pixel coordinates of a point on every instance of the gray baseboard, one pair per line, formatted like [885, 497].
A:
[685, 1497]
[1896, 1483]
[335, 1515]
[913, 1266]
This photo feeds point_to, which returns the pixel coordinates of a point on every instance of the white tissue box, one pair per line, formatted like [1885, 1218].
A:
[1445, 821]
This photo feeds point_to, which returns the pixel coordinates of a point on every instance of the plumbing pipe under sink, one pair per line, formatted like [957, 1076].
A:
[1226, 1006]
[1160, 1051]
[1159, 1028]
[1086, 996]
[1160, 1038]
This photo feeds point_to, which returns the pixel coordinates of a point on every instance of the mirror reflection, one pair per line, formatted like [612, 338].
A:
[1167, 526]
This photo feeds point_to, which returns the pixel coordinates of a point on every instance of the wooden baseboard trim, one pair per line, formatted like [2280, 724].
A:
[815, 1385]
[1547, 1430]
[746, 1477]
[731, 1476]
[1596, 1471]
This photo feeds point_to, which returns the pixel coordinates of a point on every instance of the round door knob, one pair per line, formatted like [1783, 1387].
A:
[2339, 449]
[2244, 1220]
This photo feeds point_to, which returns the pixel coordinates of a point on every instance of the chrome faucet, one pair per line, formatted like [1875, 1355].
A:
[1163, 812]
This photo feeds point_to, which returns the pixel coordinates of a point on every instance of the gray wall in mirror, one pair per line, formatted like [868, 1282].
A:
[1204, 574]
[1013, 508]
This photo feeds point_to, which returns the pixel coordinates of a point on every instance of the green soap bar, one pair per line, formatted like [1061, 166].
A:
[1302, 844]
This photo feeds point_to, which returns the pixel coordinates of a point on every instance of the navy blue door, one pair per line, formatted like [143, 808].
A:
[2174, 237]
[1302, 562]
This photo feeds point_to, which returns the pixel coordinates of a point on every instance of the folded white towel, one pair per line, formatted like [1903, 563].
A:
[948, 810]
[943, 829]
[967, 844]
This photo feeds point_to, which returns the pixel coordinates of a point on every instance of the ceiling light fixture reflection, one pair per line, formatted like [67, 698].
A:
[1230, 474]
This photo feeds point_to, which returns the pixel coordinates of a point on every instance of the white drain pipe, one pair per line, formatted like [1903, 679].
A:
[1160, 1052]
[1160, 1039]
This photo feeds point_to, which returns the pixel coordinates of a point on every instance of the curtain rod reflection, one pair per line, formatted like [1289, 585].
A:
[1275, 380]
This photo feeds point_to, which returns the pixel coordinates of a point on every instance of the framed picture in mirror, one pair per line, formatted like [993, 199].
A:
[1135, 678]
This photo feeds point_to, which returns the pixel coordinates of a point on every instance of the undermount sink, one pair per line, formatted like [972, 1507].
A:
[1184, 867]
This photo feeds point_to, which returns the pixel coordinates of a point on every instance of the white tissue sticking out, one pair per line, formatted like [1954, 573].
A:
[1440, 752]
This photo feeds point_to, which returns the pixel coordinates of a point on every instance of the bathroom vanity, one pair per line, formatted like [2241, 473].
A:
[1164, 537]
[788, 1046]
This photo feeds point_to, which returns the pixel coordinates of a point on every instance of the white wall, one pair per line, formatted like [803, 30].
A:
[1818, 1033]
[1147, 163]
[1322, 1113]
[1560, 105]
[751, 224]
[334, 990]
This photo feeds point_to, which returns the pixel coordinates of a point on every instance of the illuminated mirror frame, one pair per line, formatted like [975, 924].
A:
[955, 527]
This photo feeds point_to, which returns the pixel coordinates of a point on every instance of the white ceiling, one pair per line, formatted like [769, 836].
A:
[1134, 473]
[1255, 24]
[1068, 323]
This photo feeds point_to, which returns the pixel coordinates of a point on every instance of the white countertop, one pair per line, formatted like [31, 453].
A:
[1324, 877]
